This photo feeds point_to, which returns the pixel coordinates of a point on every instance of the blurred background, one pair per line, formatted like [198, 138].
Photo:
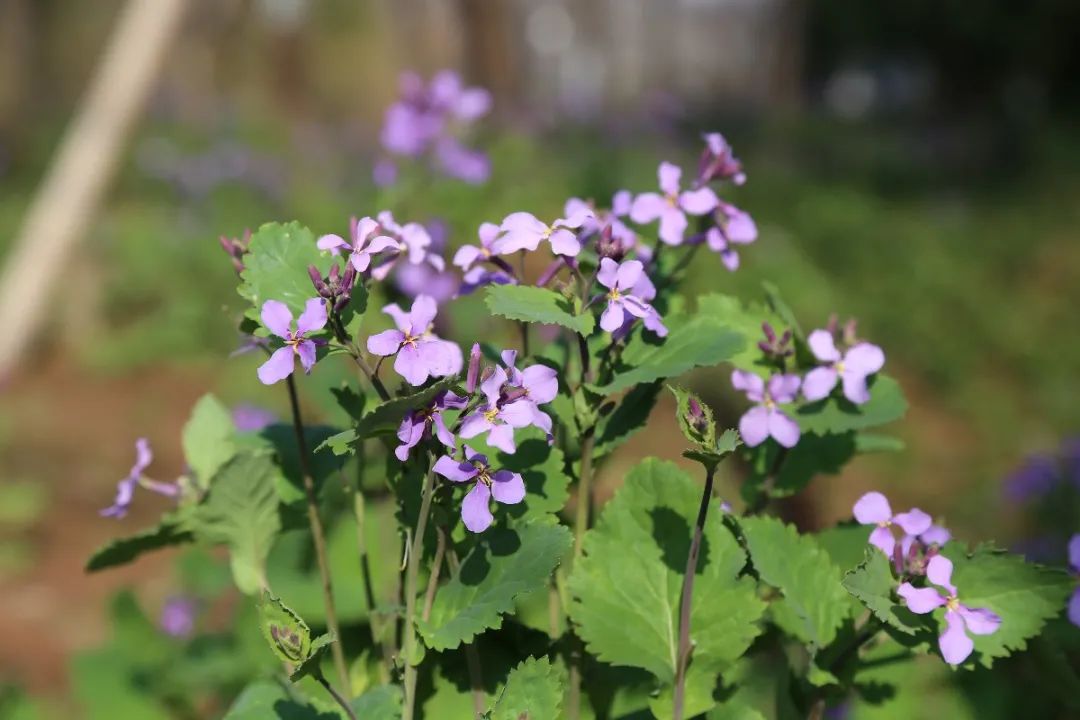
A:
[913, 165]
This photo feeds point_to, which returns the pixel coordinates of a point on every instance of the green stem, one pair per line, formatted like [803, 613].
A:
[337, 696]
[683, 654]
[318, 536]
[416, 552]
[472, 656]
[436, 568]
[374, 621]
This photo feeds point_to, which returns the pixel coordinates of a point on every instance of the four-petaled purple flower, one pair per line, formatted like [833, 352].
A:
[277, 318]
[873, 509]
[851, 368]
[364, 242]
[125, 489]
[733, 227]
[1074, 563]
[420, 354]
[414, 242]
[934, 536]
[505, 486]
[536, 385]
[419, 424]
[627, 283]
[499, 415]
[765, 419]
[524, 231]
[960, 619]
[470, 257]
[672, 207]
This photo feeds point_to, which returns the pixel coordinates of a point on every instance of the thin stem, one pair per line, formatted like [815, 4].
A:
[767, 485]
[524, 326]
[584, 496]
[416, 552]
[472, 656]
[337, 696]
[358, 356]
[683, 654]
[374, 621]
[436, 567]
[318, 536]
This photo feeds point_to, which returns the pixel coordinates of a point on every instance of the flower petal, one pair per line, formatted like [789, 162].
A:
[698, 202]
[954, 643]
[749, 383]
[647, 207]
[410, 365]
[474, 424]
[542, 382]
[939, 571]
[740, 227]
[332, 242]
[612, 317]
[401, 318]
[466, 255]
[784, 388]
[754, 426]
[1074, 608]
[823, 346]
[628, 274]
[936, 535]
[502, 437]
[980, 621]
[914, 521]
[314, 316]
[672, 226]
[783, 429]
[385, 343]
[441, 431]
[872, 508]
[422, 313]
[508, 487]
[306, 351]
[442, 357]
[278, 367]
[920, 600]
[819, 383]
[864, 359]
[669, 176]
[855, 388]
[608, 274]
[517, 414]
[277, 318]
[453, 470]
[564, 242]
[883, 539]
[493, 386]
[1074, 552]
[476, 510]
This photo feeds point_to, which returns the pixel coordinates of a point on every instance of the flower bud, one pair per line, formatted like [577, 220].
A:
[317, 280]
[608, 247]
[473, 374]
[514, 394]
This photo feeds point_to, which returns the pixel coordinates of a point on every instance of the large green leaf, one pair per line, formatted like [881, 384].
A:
[505, 563]
[872, 583]
[208, 438]
[1025, 595]
[378, 703]
[838, 415]
[170, 531]
[533, 691]
[536, 305]
[275, 267]
[814, 602]
[627, 417]
[241, 511]
[626, 589]
[746, 319]
[697, 341]
[267, 700]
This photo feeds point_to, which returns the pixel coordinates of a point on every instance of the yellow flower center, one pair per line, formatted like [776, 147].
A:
[952, 603]
[839, 367]
[489, 415]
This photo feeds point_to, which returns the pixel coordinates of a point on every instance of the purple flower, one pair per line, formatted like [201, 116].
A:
[613, 238]
[458, 161]
[960, 620]
[178, 616]
[523, 231]
[934, 536]
[414, 243]
[418, 424]
[1074, 563]
[420, 354]
[277, 318]
[414, 280]
[852, 368]
[469, 255]
[672, 207]
[1035, 478]
[873, 509]
[384, 173]
[506, 487]
[364, 242]
[536, 385]
[765, 419]
[622, 280]
[125, 489]
[718, 162]
[499, 415]
[734, 227]
[251, 418]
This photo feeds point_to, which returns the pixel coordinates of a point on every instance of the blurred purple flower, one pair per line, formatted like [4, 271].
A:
[125, 489]
[852, 368]
[672, 207]
[415, 244]
[621, 281]
[277, 318]
[1074, 563]
[420, 354]
[765, 419]
[384, 173]
[954, 643]
[418, 425]
[718, 162]
[178, 616]
[734, 227]
[873, 509]
[252, 418]
[505, 486]
[1036, 477]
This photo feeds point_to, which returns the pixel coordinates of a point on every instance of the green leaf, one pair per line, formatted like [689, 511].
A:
[698, 341]
[265, 700]
[838, 415]
[877, 442]
[698, 427]
[379, 703]
[208, 439]
[533, 691]
[504, 564]
[286, 632]
[280, 438]
[745, 319]
[312, 664]
[873, 584]
[275, 267]
[814, 602]
[627, 417]
[241, 511]
[846, 544]
[167, 533]
[631, 576]
[536, 305]
[1025, 595]
[814, 455]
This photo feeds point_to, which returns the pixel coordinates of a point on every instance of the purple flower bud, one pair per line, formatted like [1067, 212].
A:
[317, 280]
[473, 375]
[514, 394]
[770, 334]
[697, 415]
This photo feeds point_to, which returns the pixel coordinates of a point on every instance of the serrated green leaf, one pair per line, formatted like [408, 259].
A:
[873, 584]
[838, 415]
[208, 439]
[698, 341]
[379, 703]
[275, 267]
[241, 511]
[744, 319]
[700, 430]
[504, 564]
[628, 416]
[803, 572]
[167, 533]
[1024, 594]
[846, 544]
[288, 636]
[536, 305]
[533, 691]
[631, 576]
[311, 664]
[265, 700]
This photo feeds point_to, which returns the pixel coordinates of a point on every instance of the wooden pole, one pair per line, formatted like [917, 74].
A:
[68, 198]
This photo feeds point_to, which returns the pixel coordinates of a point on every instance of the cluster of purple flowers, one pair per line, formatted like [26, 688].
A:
[917, 557]
[429, 120]
[850, 369]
